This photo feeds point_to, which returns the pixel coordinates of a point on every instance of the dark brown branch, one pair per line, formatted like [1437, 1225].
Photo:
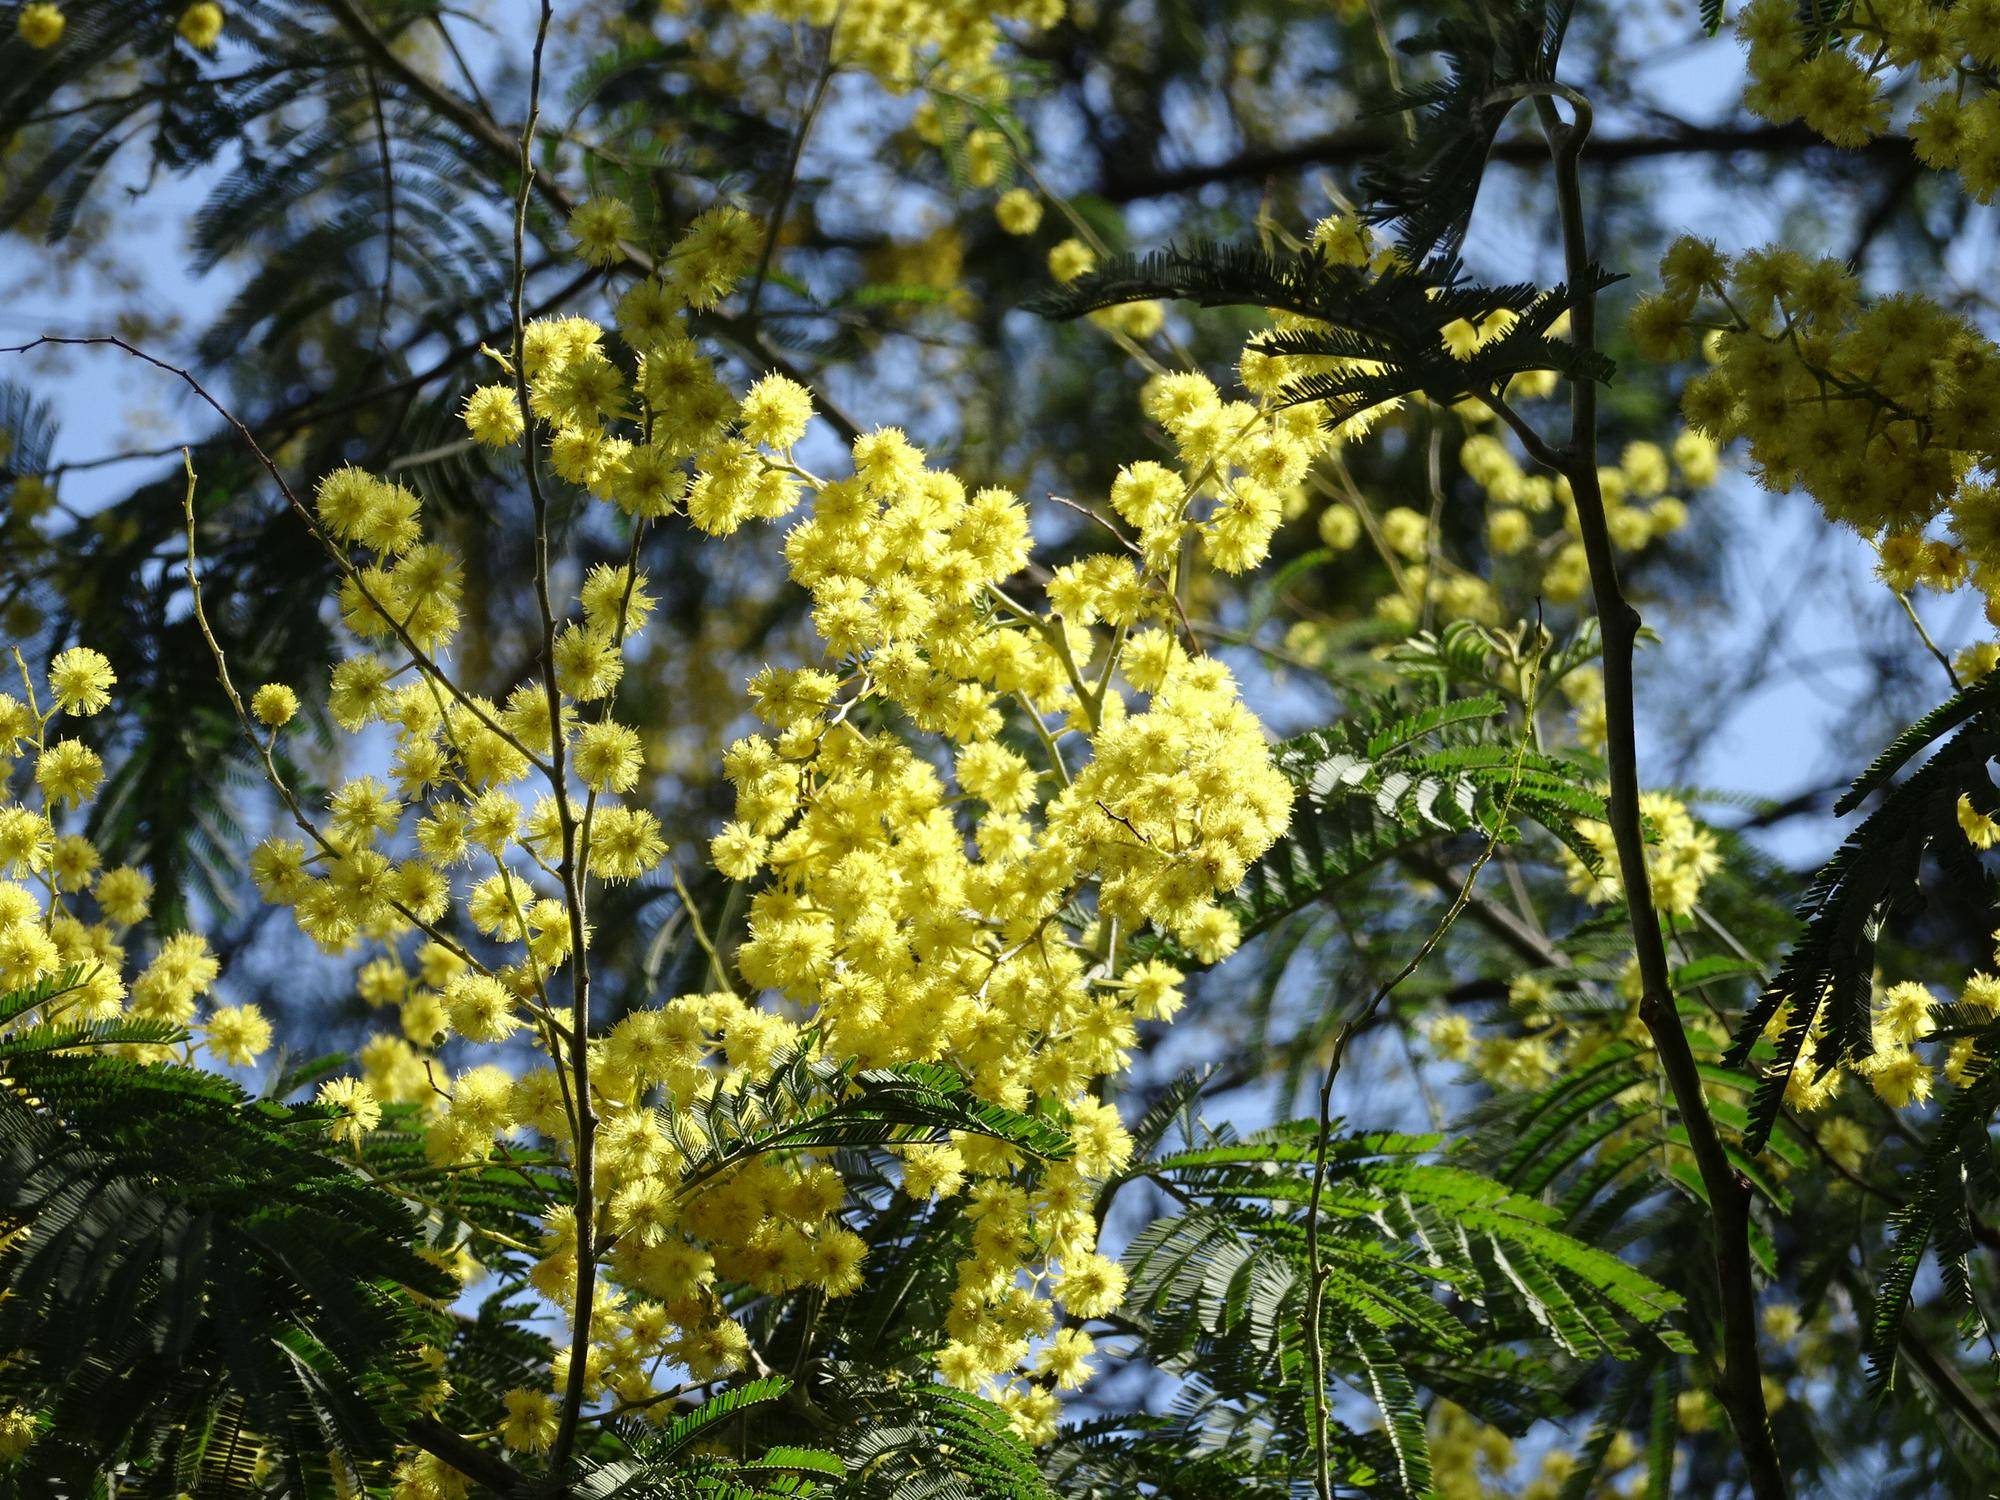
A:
[1355, 144]
[1740, 1381]
[481, 1467]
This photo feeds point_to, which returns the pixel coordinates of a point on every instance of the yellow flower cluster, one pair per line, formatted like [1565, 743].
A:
[923, 916]
[1902, 1018]
[1895, 1068]
[1236, 465]
[1838, 76]
[1521, 506]
[474, 816]
[954, 827]
[1680, 856]
[950, 44]
[64, 918]
[1473, 1461]
[1531, 517]
[1883, 411]
[1528, 1049]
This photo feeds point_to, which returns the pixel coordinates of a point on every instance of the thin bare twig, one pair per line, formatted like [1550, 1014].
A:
[340, 560]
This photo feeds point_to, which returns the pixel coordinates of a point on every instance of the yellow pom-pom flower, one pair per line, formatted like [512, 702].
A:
[1070, 259]
[360, 1111]
[274, 704]
[775, 412]
[239, 1034]
[40, 25]
[200, 24]
[493, 416]
[69, 772]
[81, 680]
[600, 228]
[1019, 211]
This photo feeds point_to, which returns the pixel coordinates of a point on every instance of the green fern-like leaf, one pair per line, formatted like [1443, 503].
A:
[190, 1259]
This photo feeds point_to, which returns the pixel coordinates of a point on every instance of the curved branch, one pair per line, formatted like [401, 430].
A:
[1741, 1378]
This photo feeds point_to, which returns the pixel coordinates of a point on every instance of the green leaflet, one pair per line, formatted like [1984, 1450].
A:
[1429, 1267]
[1392, 778]
[196, 1266]
[1826, 979]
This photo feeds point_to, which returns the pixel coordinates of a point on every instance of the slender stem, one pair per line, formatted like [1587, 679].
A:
[583, 1147]
[1741, 1382]
[789, 185]
[1924, 635]
[701, 937]
[339, 558]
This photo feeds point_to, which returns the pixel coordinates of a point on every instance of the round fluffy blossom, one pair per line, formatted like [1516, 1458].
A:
[625, 842]
[81, 680]
[1019, 211]
[598, 227]
[360, 1112]
[239, 1034]
[775, 412]
[69, 771]
[200, 24]
[26, 840]
[1070, 259]
[274, 704]
[493, 416]
[608, 757]
[124, 895]
[481, 1008]
[531, 1420]
[40, 26]
[17, 723]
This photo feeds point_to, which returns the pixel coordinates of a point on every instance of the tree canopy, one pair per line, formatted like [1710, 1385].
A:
[1087, 748]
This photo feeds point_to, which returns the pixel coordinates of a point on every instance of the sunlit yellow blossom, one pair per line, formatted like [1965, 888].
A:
[360, 1112]
[493, 416]
[239, 1034]
[68, 772]
[1019, 211]
[80, 678]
